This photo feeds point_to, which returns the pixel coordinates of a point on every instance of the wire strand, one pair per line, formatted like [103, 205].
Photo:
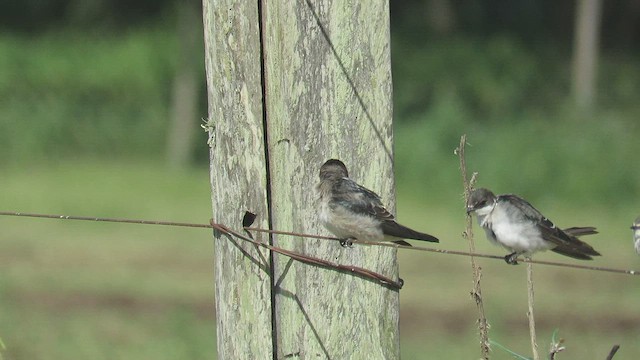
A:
[452, 252]
[320, 237]
[316, 261]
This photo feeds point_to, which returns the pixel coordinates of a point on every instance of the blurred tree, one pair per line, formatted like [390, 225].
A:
[624, 21]
[185, 93]
[440, 15]
[585, 51]
[37, 16]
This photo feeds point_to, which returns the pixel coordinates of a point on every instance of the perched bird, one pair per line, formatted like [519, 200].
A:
[351, 211]
[512, 222]
[636, 234]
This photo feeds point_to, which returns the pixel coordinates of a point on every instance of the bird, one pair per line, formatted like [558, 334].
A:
[512, 222]
[636, 234]
[351, 211]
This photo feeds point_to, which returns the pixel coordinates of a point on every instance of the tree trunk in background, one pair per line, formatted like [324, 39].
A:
[585, 52]
[184, 99]
[327, 94]
[440, 16]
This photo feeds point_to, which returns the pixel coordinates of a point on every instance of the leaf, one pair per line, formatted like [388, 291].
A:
[514, 354]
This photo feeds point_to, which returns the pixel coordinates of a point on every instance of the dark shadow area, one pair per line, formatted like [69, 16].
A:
[349, 80]
[295, 298]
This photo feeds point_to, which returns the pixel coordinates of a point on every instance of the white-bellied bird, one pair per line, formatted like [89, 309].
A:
[513, 223]
[636, 234]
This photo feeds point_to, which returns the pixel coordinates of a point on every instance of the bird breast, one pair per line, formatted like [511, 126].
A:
[520, 235]
[345, 223]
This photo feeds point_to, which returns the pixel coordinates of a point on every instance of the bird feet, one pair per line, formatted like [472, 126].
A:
[512, 259]
[347, 242]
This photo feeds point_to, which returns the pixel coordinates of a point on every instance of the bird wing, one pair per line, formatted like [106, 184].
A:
[524, 207]
[360, 200]
[567, 242]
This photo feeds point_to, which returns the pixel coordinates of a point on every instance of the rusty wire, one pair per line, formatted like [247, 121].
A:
[321, 237]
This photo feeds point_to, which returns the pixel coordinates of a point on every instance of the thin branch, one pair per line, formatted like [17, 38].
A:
[530, 314]
[476, 271]
[556, 346]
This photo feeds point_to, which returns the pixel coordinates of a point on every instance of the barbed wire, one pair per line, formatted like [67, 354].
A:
[313, 236]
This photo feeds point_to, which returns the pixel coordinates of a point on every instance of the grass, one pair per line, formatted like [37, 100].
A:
[102, 291]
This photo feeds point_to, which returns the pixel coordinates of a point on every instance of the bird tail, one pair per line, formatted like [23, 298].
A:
[394, 229]
[576, 248]
[580, 231]
[570, 252]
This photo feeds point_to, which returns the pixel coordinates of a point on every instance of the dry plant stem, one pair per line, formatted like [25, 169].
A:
[613, 351]
[532, 321]
[476, 271]
[555, 349]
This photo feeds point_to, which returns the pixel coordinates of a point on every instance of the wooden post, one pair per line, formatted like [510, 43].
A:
[327, 94]
[238, 177]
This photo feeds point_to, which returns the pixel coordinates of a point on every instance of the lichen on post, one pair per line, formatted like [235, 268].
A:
[326, 93]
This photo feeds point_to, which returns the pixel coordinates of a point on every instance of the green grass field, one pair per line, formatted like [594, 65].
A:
[88, 290]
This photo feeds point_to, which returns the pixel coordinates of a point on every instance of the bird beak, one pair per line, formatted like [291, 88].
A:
[470, 209]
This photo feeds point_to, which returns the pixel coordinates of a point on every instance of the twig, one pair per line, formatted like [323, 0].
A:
[556, 346]
[613, 351]
[476, 292]
[530, 315]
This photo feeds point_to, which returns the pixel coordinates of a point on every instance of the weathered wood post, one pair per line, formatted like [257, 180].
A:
[238, 177]
[292, 84]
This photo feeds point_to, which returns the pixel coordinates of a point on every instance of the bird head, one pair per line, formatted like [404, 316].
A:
[480, 199]
[333, 169]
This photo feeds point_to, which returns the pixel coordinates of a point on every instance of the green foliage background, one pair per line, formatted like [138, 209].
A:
[72, 94]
